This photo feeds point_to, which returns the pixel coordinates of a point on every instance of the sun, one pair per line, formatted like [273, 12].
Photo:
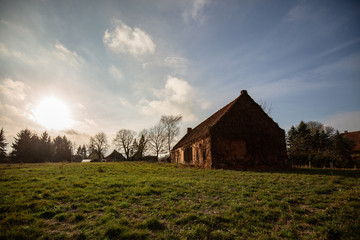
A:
[52, 114]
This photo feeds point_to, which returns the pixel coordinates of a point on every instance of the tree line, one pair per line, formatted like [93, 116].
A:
[157, 140]
[314, 145]
[28, 147]
[308, 144]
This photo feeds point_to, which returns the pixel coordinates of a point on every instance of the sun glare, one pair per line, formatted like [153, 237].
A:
[52, 114]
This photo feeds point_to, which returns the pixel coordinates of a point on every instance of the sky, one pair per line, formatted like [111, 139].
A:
[102, 66]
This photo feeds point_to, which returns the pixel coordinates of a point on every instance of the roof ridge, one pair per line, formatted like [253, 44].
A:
[201, 129]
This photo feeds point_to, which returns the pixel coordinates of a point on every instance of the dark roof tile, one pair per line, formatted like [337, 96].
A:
[203, 128]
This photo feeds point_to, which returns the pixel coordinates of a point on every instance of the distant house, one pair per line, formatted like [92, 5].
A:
[94, 156]
[115, 156]
[240, 135]
[355, 138]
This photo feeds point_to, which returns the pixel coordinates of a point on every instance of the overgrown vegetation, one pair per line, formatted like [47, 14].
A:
[28, 147]
[315, 145]
[133, 200]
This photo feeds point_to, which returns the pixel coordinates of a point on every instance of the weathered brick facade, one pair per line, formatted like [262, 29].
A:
[240, 135]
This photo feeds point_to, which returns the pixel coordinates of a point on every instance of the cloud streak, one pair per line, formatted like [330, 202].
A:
[115, 72]
[66, 55]
[285, 87]
[195, 13]
[14, 90]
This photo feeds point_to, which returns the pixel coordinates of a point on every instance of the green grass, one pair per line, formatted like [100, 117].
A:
[133, 200]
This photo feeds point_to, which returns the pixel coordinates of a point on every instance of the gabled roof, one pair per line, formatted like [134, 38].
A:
[116, 155]
[355, 137]
[203, 128]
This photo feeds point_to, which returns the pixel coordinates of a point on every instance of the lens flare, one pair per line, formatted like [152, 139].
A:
[52, 114]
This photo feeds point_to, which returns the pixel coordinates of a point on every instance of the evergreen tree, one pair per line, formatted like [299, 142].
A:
[77, 157]
[3, 145]
[78, 151]
[342, 149]
[25, 149]
[298, 142]
[316, 145]
[135, 150]
[62, 149]
[83, 152]
[45, 147]
[142, 146]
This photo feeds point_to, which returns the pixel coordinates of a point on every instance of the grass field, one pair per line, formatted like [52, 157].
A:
[131, 200]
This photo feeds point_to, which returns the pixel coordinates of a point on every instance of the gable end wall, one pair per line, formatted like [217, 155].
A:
[247, 138]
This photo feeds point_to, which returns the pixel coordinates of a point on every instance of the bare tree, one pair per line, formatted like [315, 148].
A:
[314, 126]
[99, 144]
[157, 139]
[123, 141]
[171, 129]
[267, 109]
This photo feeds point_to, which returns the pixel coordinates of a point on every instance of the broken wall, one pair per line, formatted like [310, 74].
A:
[197, 154]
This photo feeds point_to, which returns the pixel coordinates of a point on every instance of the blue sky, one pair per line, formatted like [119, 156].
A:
[123, 64]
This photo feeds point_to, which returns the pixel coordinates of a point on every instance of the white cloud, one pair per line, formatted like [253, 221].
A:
[14, 90]
[43, 57]
[9, 112]
[66, 55]
[177, 97]
[195, 12]
[115, 72]
[349, 121]
[177, 90]
[178, 65]
[124, 39]
[3, 49]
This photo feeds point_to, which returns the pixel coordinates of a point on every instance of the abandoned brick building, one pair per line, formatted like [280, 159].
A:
[240, 135]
